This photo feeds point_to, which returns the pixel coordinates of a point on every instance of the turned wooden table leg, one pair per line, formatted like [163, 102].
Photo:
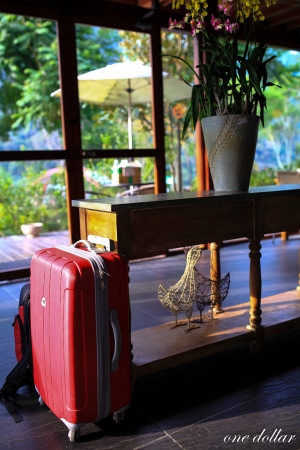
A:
[255, 296]
[215, 271]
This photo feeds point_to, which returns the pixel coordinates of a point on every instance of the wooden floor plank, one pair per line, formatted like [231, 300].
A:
[18, 248]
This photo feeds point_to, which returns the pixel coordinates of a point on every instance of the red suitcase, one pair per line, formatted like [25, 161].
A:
[80, 328]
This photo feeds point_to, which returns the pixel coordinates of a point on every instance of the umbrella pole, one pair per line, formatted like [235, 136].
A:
[129, 90]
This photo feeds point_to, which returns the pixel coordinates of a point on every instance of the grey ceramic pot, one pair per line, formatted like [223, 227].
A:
[230, 142]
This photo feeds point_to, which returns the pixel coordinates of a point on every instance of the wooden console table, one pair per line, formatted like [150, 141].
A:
[137, 226]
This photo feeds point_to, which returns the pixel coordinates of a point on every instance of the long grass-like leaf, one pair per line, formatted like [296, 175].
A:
[273, 84]
[255, 54]
[196, 93]
[186, 122]
[184, 61]
[253, 77]
[204, 70]
[269, 59]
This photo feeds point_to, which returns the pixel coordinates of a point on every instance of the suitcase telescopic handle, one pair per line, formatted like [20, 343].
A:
[91, 247]
[118, 339]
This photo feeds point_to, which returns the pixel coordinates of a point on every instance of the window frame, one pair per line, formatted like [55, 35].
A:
[109, 15]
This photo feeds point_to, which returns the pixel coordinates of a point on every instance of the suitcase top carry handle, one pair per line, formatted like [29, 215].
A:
[91, 247]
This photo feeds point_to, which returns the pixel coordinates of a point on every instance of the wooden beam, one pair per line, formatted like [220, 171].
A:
[33, 155]
[14, 274]
[108, 14]
[70, 118]
[158, 105]
[34, 8]
[130, 153]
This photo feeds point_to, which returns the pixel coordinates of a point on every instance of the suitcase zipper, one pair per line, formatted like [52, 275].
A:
[101, 276]
[102, 324]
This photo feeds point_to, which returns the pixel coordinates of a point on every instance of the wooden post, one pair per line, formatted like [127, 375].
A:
[215, 272]
[157, 103]
[70, 118]
[204, 182]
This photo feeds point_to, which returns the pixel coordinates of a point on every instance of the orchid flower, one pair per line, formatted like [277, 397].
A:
[216, 23]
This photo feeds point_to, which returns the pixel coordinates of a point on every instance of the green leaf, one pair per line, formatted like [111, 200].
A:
[273, 84]
[269, 59]
[187, 121]
[255, 54]
[196, 93]
[253, 77]
[184, 61]
[204, 70]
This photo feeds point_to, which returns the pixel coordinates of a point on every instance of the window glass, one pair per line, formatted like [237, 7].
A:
[29, 120]
[115, 112]
[180, 154]
[31, 193]
[279, 140]
[114, 177]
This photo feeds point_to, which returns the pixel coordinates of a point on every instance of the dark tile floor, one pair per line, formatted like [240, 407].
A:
[201, 405]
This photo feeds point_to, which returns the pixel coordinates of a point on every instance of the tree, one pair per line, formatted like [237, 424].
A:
[28, 61]
[33, 201]
[282, 130]
[29, 72]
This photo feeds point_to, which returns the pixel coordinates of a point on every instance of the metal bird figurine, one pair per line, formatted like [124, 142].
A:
[181, 296]
[210, 292]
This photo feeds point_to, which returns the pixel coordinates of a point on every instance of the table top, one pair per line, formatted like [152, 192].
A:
[116, 204]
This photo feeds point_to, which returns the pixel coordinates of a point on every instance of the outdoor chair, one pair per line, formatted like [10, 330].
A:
[92, 194]
[287, 177]
[140, 190]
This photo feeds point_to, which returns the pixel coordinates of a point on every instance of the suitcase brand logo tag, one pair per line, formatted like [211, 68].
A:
[43, 302]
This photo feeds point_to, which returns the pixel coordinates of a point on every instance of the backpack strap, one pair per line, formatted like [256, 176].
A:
[27, 335]
[12, 410]
[20, 375]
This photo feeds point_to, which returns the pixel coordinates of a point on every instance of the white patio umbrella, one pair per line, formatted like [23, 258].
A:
[126, 83]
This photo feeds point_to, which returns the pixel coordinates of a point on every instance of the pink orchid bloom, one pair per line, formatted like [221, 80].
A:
[193, 27]
[231, 27]
[175, 24]
[226, 8]
[234, 27]
[216, 23]
[201, 25]
[186, 18]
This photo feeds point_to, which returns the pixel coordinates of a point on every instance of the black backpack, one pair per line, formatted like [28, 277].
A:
[22, 373]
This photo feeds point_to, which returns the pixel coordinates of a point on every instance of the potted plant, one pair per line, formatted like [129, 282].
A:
[228, 96]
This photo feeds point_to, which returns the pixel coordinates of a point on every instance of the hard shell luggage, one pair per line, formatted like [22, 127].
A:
[80, 328]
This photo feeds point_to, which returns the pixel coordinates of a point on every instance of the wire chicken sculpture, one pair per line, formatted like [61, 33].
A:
[182, 295]
[210, 292]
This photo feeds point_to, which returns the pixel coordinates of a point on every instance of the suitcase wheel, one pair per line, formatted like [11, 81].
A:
[41, 401]
[118, 417]
[73, 435]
